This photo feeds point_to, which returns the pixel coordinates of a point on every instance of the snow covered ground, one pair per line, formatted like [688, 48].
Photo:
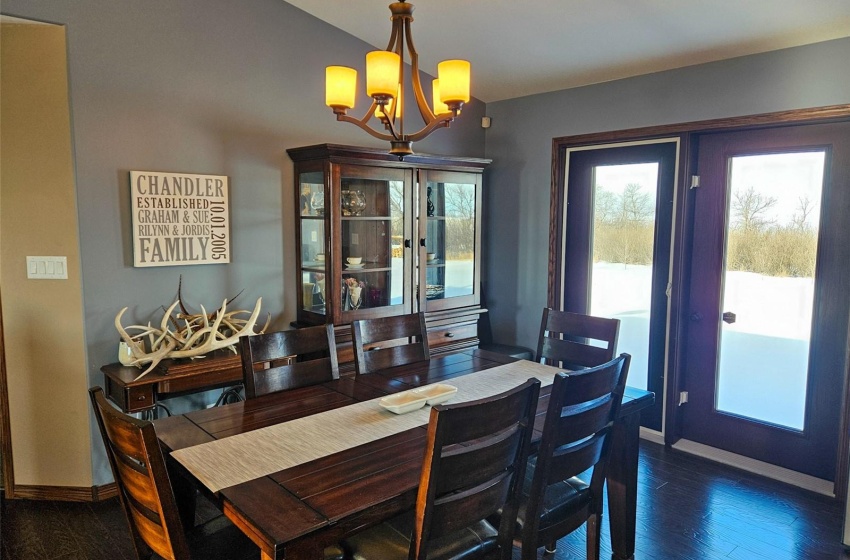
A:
[764, 354]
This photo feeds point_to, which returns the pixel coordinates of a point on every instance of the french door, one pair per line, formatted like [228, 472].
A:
[766, 345]
[616, 260]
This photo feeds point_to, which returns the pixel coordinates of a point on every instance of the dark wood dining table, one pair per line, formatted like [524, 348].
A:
[295, 512]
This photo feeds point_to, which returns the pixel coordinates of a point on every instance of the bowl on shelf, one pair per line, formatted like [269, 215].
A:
[320, 257]
[354, 260]
[431, 256]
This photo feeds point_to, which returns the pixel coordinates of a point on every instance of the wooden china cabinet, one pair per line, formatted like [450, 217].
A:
[378, 237]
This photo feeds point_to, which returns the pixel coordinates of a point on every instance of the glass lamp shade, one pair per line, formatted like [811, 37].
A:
[382, 71]
[439, 106]
[454, 81]
[340, 86]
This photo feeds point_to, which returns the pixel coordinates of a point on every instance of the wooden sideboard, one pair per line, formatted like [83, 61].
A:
[169, 378]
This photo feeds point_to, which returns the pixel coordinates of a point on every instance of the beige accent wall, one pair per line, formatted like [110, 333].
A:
[43, 319]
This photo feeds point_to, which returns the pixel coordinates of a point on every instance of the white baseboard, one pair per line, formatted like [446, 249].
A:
[825, 487]
[651, 435]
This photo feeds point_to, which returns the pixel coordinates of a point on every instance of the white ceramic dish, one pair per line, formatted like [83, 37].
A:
[401, 403]
[437, 393]
[354, 266]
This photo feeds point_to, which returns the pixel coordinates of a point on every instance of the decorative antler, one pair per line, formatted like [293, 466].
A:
[197, 337]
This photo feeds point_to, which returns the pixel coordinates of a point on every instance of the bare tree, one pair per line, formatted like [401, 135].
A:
[748, 205]
[800, 218]
[460, 200]
[605, 205]
[636, 205]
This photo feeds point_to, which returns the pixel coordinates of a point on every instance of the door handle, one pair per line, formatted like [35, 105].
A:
[422, 242]
[729, 317]
[407, 243]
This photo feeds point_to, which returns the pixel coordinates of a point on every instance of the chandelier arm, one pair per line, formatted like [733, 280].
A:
[424, 110]
[365, 127]
[394, 34]
[439, 121]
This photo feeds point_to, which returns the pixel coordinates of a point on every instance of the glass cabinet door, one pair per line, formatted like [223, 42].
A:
[450, 227]
[312, 230]
[374, 225]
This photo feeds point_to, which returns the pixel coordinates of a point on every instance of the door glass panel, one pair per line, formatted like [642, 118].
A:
[372, 258]
[774, 205]
[450, 240]
[623, 236]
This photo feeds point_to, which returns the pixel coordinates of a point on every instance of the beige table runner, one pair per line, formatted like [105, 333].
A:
[251, 455]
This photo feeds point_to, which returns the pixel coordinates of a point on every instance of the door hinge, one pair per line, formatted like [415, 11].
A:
[694, 181]
[683, 397]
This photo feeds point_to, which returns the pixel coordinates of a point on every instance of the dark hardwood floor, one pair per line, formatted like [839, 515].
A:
[688, 508]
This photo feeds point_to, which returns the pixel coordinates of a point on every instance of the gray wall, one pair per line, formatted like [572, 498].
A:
[520, 144]
[200, 86]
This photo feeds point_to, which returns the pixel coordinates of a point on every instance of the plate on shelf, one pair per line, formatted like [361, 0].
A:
[354, 266]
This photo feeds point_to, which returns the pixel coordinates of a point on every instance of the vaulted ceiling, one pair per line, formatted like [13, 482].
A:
[520, 48]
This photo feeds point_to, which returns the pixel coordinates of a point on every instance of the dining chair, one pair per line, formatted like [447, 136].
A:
[565, 339]
[389, 341]
[284, 360]
[145, 491]
[576, 439]
[475, 460]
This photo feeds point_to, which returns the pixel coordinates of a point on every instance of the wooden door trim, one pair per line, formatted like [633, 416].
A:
[687, 131]
[5, 426]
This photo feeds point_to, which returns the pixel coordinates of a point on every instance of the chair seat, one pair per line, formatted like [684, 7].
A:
[560, 501]
[219, 539]
[391, 541]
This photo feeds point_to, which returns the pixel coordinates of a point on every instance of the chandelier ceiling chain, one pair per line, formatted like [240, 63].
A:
[385, 84]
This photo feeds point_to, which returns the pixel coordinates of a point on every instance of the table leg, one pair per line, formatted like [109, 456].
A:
[622, 486]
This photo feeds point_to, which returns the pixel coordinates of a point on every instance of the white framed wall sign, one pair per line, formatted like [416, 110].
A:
[179, 218]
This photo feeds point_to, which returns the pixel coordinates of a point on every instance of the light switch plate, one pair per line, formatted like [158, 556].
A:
[47, 268]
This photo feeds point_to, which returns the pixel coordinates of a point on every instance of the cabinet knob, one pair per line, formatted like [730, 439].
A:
[407, 243]
[422, 242]
[450, 334]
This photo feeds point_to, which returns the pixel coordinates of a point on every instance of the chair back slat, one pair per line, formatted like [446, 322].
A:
[569, 462]
[474, 465]
[142, 480]
[572, 355]
[292, 376]
[586, 388]
[457, 510]
[389, 341]
[566, 339]
[494, 457]
[583, 422]
[576, 437]
[284, 360]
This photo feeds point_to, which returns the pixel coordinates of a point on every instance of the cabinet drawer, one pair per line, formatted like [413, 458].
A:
[451, 334]
[139, 398]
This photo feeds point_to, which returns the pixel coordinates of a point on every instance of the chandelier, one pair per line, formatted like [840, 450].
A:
[385, 84]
